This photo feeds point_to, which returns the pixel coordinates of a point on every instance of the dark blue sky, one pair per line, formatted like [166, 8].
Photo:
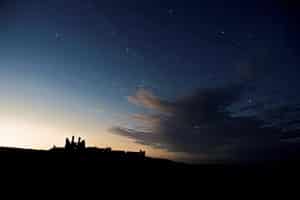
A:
[83, 55]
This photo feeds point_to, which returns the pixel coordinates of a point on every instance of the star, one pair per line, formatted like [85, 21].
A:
[171, 11]
[250, 101]
[58, 36]
[222, 33]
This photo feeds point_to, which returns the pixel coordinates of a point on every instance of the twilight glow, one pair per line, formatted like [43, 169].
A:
[196, 81]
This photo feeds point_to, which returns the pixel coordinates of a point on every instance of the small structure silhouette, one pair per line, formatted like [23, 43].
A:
[97, 153]
[73, 146]
[68, 144]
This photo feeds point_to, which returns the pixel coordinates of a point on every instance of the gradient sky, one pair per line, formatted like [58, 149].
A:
[85, 67]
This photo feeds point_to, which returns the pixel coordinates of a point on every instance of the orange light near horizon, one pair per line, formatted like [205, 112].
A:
[38, 134]
[26, 134]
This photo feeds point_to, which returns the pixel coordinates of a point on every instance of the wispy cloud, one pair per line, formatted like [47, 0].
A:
[148, 100]
[202, 124]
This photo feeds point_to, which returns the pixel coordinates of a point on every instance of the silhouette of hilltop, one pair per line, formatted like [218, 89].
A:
[75, 157]
[97, 154]
[77, 154]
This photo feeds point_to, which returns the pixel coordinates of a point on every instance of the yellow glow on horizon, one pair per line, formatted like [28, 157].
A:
[25, 125]
[25, 134]
[38, 134]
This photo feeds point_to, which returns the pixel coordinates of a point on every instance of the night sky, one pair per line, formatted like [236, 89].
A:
[188, 80]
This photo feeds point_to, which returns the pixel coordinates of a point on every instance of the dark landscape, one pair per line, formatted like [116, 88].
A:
[164, 92]
[107, 163]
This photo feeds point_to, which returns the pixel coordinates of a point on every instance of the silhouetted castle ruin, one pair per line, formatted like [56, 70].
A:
[73, 146]
[79, 147]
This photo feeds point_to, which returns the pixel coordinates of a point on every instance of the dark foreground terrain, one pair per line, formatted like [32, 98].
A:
[118, 163]
[114, 173]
